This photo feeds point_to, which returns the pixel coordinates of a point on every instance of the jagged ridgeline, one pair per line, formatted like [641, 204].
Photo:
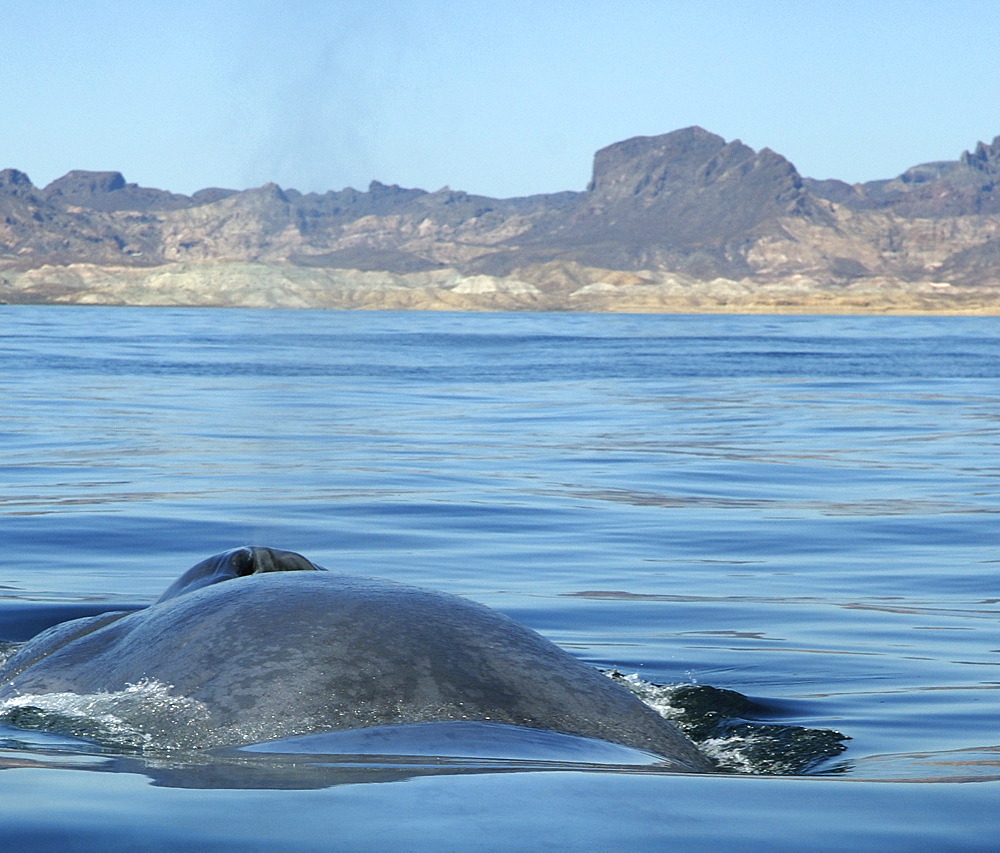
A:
[683, 221]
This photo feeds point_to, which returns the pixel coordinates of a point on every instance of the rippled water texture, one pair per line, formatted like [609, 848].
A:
[803, 510]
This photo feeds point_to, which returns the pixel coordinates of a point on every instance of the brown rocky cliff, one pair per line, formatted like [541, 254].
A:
[684, 212]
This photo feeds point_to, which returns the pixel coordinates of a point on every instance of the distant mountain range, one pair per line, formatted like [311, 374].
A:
[666, 222]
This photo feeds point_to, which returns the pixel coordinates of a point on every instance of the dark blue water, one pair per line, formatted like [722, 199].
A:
[800, 509]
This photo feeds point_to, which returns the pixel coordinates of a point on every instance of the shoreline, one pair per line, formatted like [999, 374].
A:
[546, 288]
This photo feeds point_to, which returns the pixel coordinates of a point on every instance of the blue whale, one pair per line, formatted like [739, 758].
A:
[264, 644]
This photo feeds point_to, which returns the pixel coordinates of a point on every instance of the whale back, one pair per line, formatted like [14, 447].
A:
[284, 652]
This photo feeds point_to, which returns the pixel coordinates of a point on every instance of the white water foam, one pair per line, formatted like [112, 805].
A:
[142, 716]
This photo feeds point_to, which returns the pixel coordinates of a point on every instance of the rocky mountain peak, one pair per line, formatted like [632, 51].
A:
[81, 185]
[931, 190]
[683, 195]
[15, 183]
[693, 167]
[108, 191]
[985, 157]
[269, 192]
[209, 195]
[645, 165]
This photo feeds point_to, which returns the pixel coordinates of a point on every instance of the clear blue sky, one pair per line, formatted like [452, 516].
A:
[500, 97]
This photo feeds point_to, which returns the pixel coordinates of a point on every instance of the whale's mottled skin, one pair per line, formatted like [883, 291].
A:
[273, 646]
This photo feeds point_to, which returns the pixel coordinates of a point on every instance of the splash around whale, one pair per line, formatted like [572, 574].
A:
[257, 644]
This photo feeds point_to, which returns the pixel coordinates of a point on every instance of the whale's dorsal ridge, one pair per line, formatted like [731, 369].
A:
[238, 563]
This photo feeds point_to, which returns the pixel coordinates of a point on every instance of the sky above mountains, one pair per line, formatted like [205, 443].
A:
[500, 99]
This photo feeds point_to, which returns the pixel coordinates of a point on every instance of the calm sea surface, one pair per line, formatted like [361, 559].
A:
[800, 509]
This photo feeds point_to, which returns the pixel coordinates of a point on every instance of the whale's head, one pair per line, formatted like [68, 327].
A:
[238, 563]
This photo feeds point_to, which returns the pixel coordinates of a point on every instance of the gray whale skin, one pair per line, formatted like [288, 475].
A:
[274, 646]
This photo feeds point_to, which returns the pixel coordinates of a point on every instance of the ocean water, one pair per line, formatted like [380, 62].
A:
[799, 509]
